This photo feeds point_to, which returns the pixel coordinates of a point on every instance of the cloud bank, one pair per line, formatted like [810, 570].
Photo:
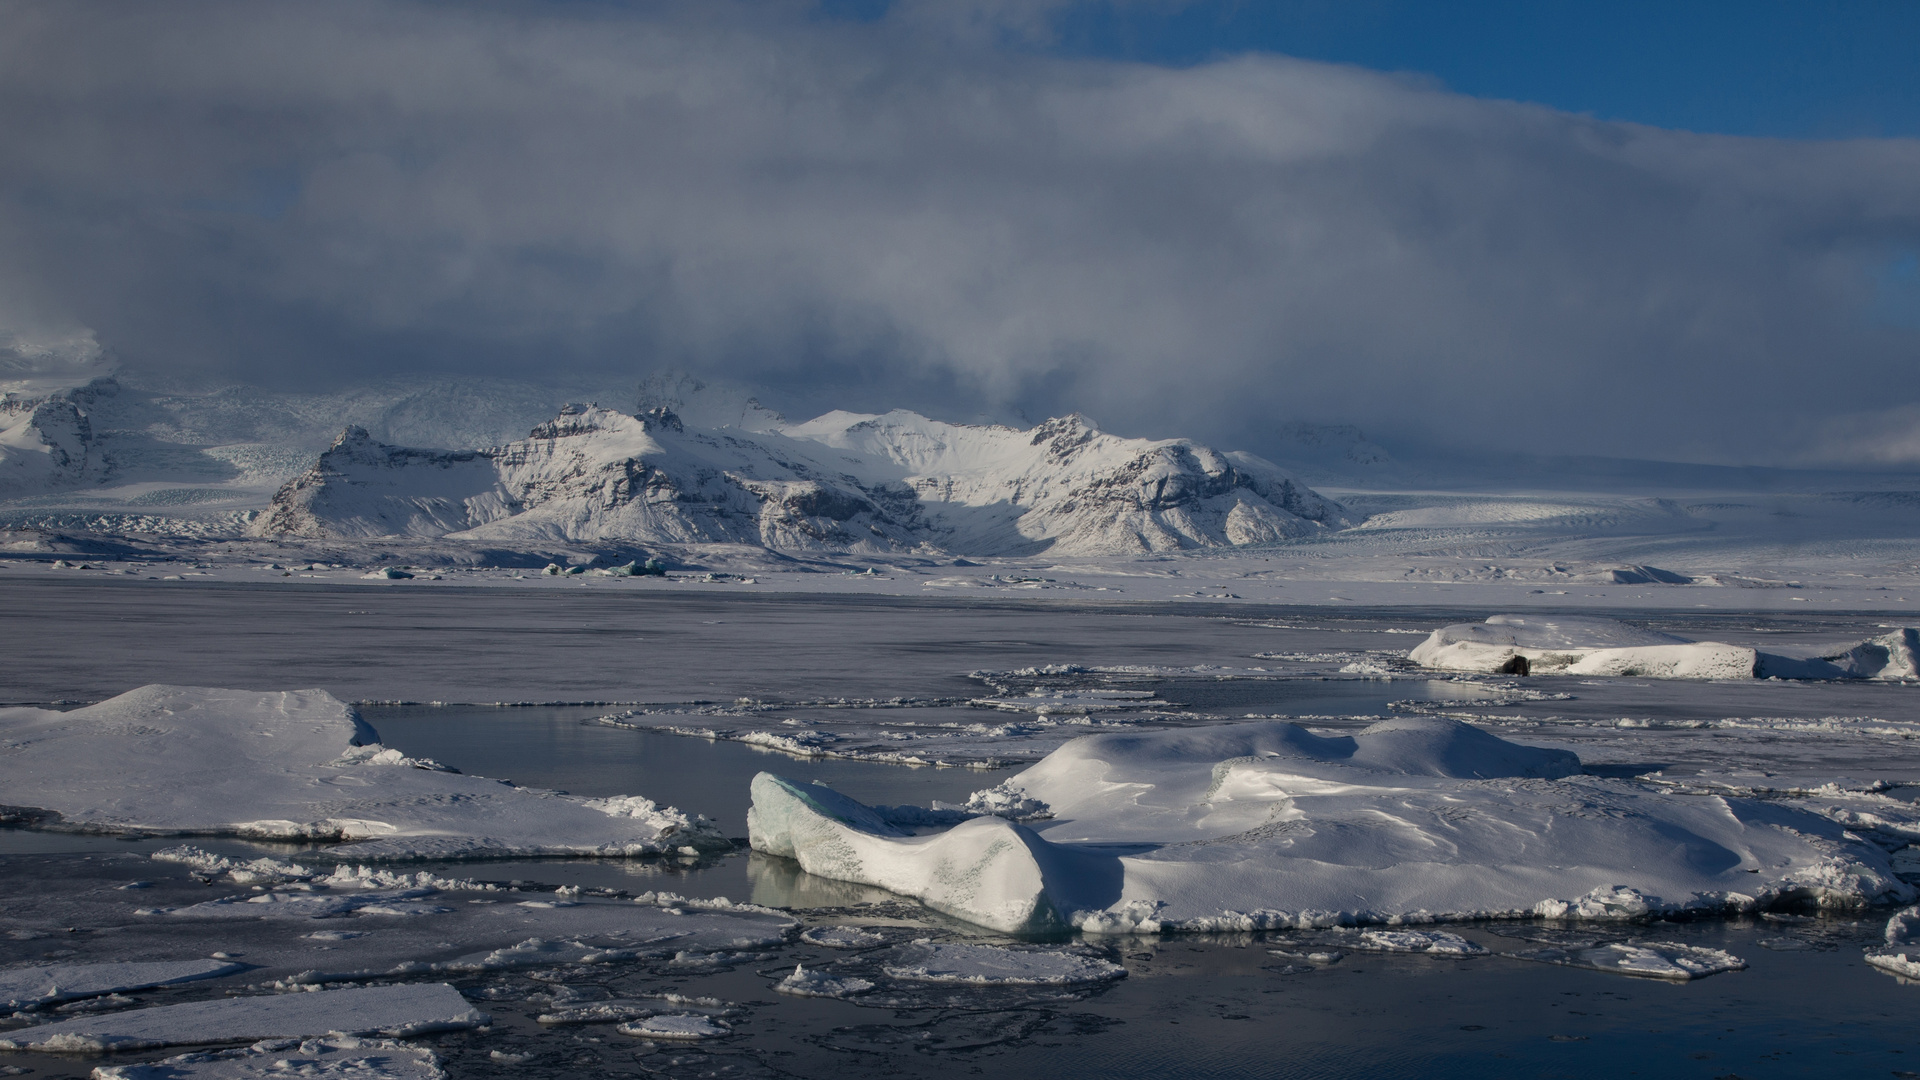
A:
[887, 212]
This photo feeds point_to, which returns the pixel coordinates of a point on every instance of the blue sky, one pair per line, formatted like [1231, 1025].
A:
[1812, 68]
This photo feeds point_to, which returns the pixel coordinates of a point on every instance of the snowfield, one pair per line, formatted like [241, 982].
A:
[296, 765]
[1267, 825]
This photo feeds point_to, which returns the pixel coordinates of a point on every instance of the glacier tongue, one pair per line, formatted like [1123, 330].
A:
[842, 482]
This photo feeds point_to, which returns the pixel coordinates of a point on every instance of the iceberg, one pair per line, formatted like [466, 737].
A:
[1268, 825]
[1586, 645]
[297, 765]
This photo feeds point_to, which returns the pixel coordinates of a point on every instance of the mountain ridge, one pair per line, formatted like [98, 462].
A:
[894, 482]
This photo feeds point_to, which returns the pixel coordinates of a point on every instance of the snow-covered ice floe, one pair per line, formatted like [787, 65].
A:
[1582, 645]
[804, 983]
[992, 965]
[297, 765]
[47, 984]
[409, 1009]
[1901, 955]
[676, 1027]
[1645, 959]
[1267, 825]
[336, 1057]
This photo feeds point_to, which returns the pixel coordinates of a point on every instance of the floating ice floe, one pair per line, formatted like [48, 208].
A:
[1645, 959]
[1901, 956]
[599, 1012]
[1584, 645]
[841, 937]
[298, 765]
[46, 984]
[337, 1057]
[992, 965]
[1267, 825]
[408, 1009]
[804, 983]
[1430, 942]
[676, 1027]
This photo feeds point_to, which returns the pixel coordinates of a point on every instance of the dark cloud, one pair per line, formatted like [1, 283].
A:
[896, 211]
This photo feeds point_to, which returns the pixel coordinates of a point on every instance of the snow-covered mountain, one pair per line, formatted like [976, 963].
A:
[842, 482]
[47, 438]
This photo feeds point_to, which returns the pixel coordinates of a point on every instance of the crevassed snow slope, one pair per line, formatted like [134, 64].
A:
[294, 765]
[1269, 825]
[842, 482]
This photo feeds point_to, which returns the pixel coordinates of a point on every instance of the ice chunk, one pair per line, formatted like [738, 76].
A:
[408, 1009]
[677, 1027]
[1890, 656]
[928, 961]
[1901, 955]
[804, 983]
[42, 984]
[1569, 645]
[1267, 825]
[841, 937]
[337, 1057]
[296, 765]
[1646, 959]
[983, 870]
[599, 1012]
[1432, 942]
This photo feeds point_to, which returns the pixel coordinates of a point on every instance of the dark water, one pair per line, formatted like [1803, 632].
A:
[560, 748]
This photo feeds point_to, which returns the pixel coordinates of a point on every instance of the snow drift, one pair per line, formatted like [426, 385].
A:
[842, 482]
[1575, 645]
[295, 765]
[1268, 825]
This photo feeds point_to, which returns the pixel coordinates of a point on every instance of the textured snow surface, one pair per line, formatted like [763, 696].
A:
[385, 1010]
[335, 1057]
[42, 984]
[1589, 645]
[1268, 825]
[297, 765]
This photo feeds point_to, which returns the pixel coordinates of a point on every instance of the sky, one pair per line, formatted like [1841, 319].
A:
[1682, 231]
